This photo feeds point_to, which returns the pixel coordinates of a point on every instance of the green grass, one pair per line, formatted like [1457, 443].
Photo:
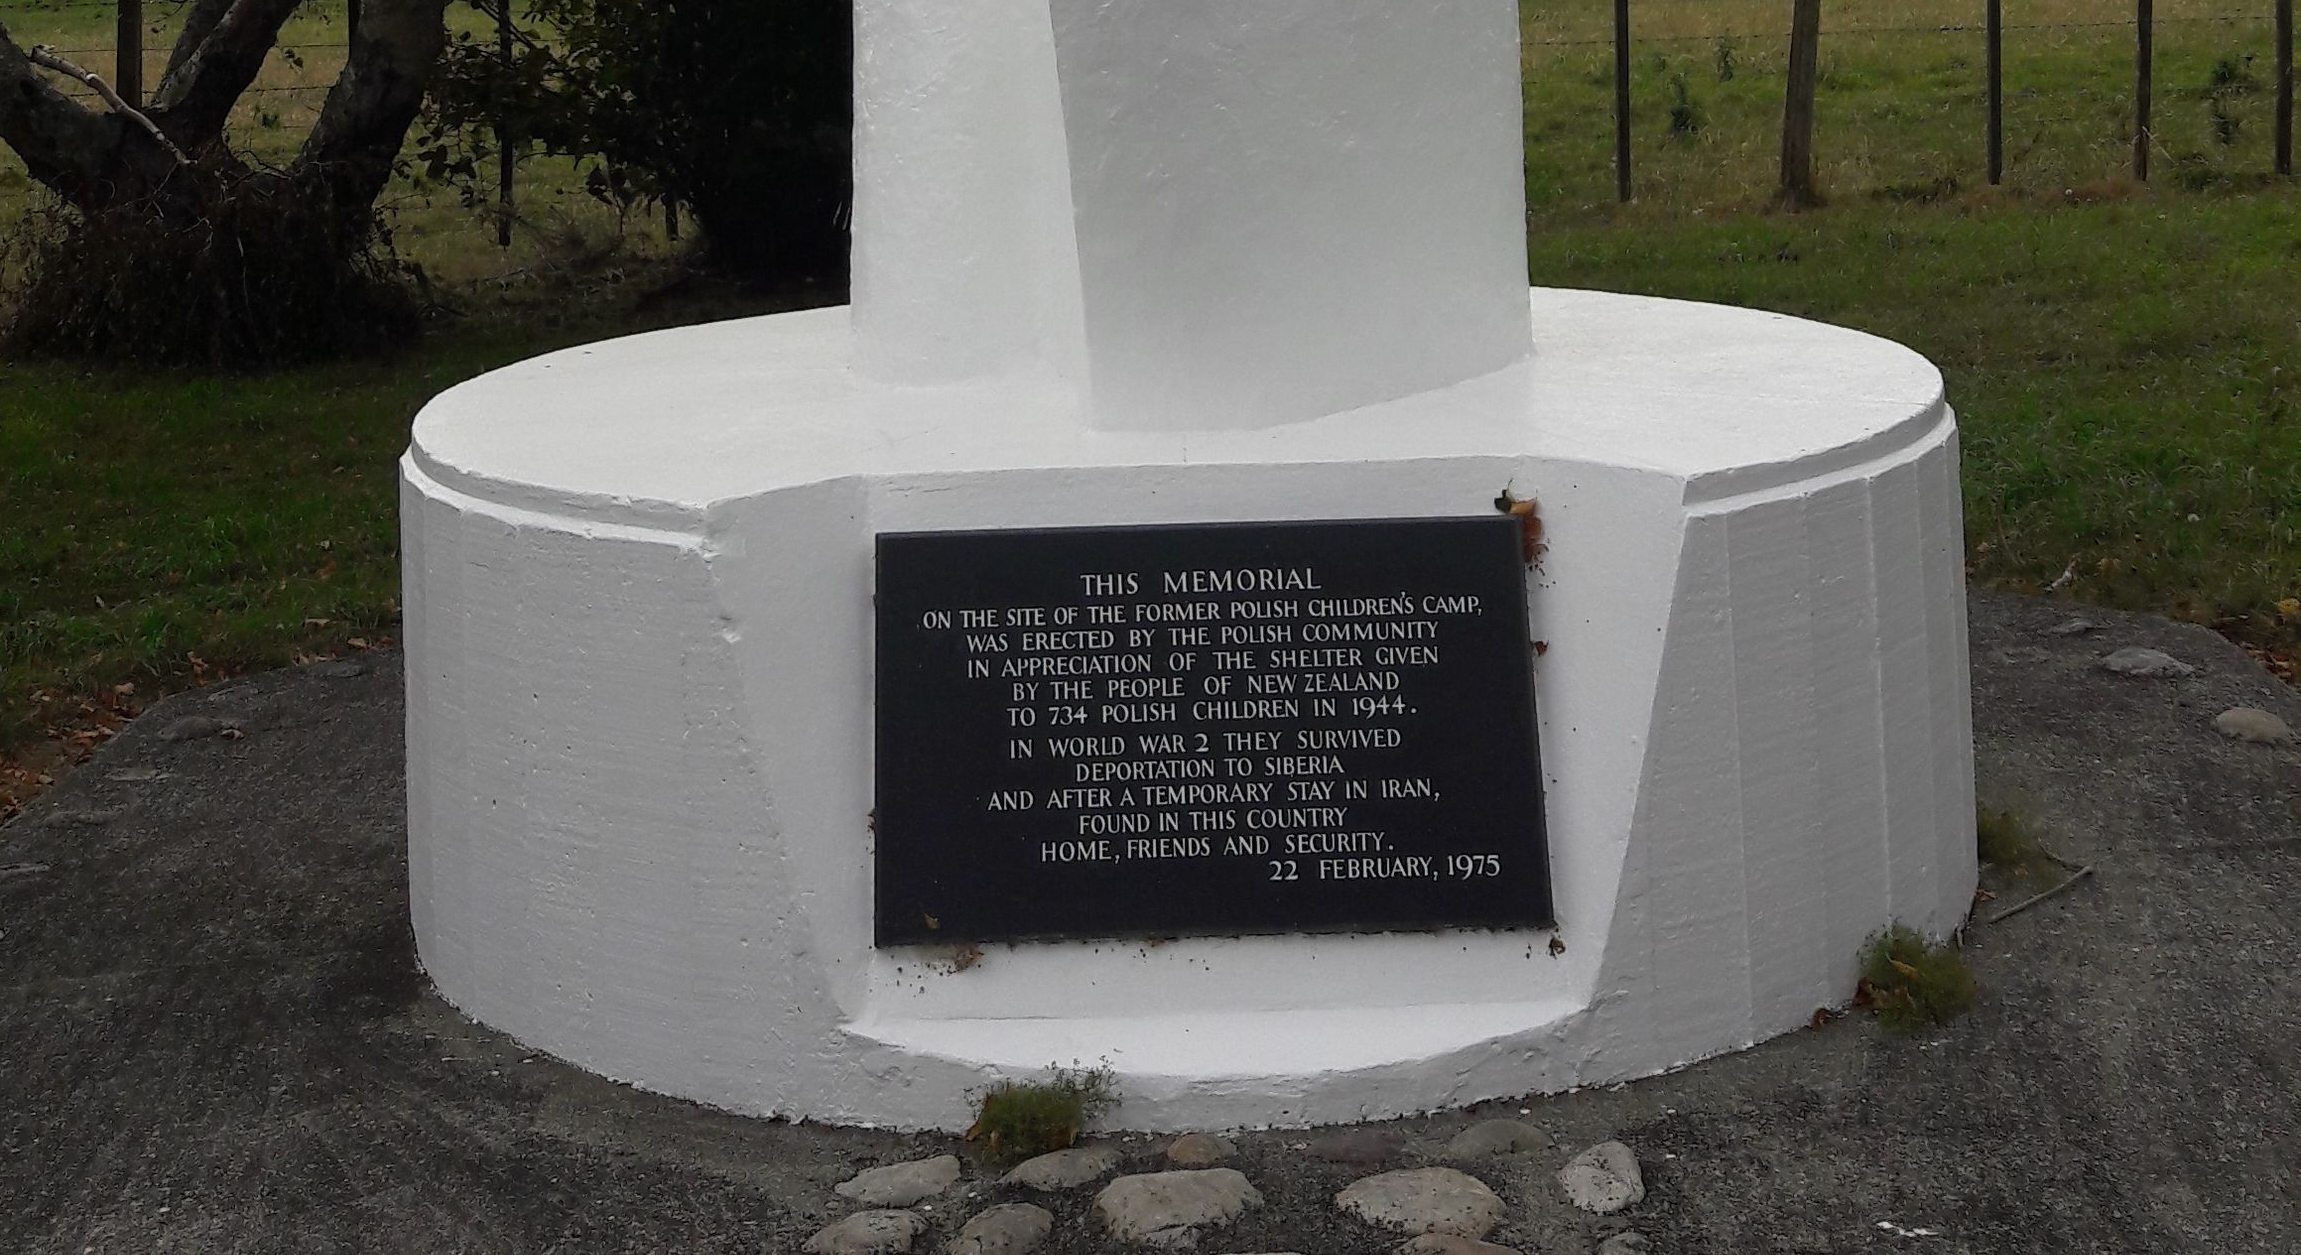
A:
[1020, 1119]
[1900, 103]
[164, 528]
[163, 522]
[2126, 372]
[1912, 985]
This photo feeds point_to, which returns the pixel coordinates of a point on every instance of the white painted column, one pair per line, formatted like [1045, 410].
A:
[1204, 213]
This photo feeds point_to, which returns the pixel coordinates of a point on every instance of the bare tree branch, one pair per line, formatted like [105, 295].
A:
[198, 92]
[43, 55]
[63, 145]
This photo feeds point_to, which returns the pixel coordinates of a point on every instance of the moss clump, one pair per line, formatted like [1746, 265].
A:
[2006, 841]
[1019, 1119]
[1912, 985]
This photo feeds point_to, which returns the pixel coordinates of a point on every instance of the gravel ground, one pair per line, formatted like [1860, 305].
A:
[213, 1035]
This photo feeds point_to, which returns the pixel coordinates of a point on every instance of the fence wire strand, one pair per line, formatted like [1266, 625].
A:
[23, 15]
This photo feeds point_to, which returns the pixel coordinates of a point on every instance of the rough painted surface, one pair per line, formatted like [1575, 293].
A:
[1194, 210]
[639, 700]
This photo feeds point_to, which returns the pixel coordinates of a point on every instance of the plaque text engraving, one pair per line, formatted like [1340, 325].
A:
[1191, 730]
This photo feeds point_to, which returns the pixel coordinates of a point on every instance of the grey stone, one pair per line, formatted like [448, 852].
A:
[195, 727]
[1200, 1150]
[901, 1184]
[2147, 664]
[339, 669]
[78, 818]
[2067, 627]
[10, 871]
[1007, 1229]
[1603, 1179]
[2023, 655]
[1168, 1208]
[1424, 1200]
[1451, 1244]
[1630, 1243]
[868, 1233]
[1359, 1147]
[1064, 1169]
[138, 775]
[1497, 1137]
[2244, 723]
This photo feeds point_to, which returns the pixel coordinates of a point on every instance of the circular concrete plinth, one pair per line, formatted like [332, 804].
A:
[639, 639]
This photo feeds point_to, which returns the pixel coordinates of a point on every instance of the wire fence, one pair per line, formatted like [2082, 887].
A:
[1919, 98]
[1925, 94]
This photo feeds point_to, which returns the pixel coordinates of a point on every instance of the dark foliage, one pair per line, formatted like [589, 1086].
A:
[251, 269]
[737, 111]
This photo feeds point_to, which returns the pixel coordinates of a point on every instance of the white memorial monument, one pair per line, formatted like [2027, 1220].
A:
[1198, 261]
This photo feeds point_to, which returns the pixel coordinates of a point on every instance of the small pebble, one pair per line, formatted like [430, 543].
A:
[1064, 1169]
[1603, 1179]
[902, 1184]
[1497, 1137]
[2067, 627]
[1416, 1201]
[1007, 1229]
[195, 727]
[868, 1233]
[1630, 1243]
[1200, 1150]
[2258, 727]
[1171, 1208]
[339, 669]
[2148, 664]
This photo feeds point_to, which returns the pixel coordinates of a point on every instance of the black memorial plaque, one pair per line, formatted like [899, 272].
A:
[1194, 730]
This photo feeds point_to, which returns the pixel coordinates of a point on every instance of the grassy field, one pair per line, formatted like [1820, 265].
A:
[1901, 109]
[2124, 359]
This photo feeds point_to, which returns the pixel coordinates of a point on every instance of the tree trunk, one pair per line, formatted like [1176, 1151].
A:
[181, 252]
[96, 161]
[351, 148]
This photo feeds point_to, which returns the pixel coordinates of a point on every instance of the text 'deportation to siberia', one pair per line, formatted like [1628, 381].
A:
[1206, 730]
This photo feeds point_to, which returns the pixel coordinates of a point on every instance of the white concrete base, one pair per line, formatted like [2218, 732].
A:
[639, 773]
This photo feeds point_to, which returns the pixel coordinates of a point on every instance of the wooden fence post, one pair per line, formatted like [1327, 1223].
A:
[2285, 87]
[1622, 100]
[2144, 21]
[128, 54]
[1996, 37]
[1798, 104]
[503, 129]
